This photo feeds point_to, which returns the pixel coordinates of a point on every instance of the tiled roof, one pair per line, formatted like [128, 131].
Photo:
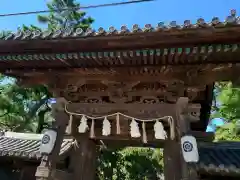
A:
[150, 46]
[223, 158]
[231, 20]
[26, 145]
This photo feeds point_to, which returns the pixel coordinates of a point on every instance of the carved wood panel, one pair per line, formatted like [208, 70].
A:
[128, 92]
[136, 98]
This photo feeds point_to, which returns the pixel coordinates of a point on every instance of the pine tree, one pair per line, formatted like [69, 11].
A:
[65, 13]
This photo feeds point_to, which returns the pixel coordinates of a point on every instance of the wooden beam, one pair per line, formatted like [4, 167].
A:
[203, 136]
[230, 73]
[125, 140]
[137, 110]
[112, 74]
[110, 143]
[192, 76]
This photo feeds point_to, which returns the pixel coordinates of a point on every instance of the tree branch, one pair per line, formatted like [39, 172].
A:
[2, 115]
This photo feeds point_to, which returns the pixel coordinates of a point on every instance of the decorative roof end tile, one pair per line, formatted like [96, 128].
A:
[231, 20]
[46, 34]
[56, 34]
[101, 32]
[136, 28]
[124, 30]
[67, 32]
[36, 34]
[112, 30]
[78, 32]
[148, 28]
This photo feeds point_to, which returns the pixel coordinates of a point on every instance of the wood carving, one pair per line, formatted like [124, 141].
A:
[128, 92]
[193, 112]
[135, 98]
[93, 100]
[149, 100]
[117, 92]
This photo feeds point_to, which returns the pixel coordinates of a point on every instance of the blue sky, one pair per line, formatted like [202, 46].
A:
[143, 13]
[214, 123]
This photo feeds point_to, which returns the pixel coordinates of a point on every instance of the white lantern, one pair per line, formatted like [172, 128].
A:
[189, 149]
[48, 141]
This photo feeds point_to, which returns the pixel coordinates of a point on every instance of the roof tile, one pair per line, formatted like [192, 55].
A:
[231, 20]
[220, 157]
[27, 148]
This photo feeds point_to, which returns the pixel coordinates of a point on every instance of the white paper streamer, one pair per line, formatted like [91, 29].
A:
[118, 124]
[160, 133]
[82, 128]
[106, 130]
[92, 133]
[144, 132]
[134, 129]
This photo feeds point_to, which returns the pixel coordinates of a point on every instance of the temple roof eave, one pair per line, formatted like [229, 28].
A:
[69, 39]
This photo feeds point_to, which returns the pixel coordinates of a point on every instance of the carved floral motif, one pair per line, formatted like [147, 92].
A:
[128, 92]
[110, 96]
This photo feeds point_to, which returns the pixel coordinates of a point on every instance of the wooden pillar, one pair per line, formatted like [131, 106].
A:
[47, 168]
[83, 159]
[84, 154]
[183, 127]
[175, 168]
[193, 174]
[28, 173]
[171, 157]
[172, 148]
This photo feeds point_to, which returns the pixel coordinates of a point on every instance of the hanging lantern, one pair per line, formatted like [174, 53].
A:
[189, 149]
[48, 142]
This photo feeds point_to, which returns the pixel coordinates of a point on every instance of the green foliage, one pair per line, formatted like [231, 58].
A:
[21, 109]
[228, 98]
[227, 132]
[65, 13]
[31, 28]
[130, 164]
